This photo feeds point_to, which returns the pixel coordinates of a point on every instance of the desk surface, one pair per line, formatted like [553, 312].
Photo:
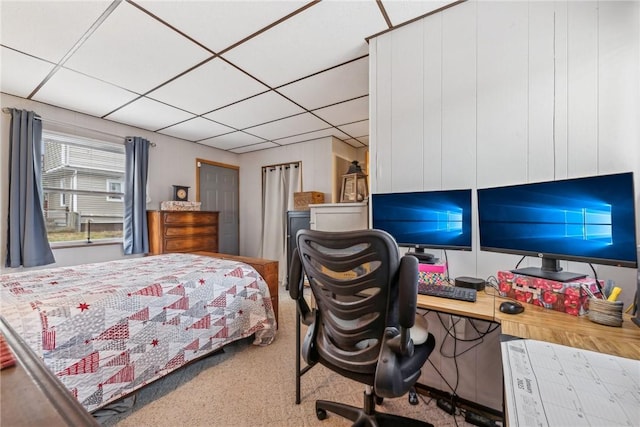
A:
[545, 325]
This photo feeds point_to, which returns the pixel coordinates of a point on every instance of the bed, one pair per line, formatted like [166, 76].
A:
[108, 329]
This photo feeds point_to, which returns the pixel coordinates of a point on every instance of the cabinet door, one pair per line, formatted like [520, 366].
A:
[339, 217]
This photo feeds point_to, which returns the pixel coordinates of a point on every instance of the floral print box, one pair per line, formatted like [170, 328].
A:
[568, 297]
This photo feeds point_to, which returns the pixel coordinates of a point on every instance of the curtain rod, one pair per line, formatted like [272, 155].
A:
[56, 122]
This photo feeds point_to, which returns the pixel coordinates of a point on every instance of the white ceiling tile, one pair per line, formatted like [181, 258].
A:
[89, 96]
[355, 142]
[324, 35]
[196, 129]
[345, 112]
[220, 24]
[311, 136]
[356, 129]
[232, 140]
[286, 127]
[364, 140]
[345, 82]
[21, 74]
[400, 11]
[149, 114]
[212, 85]
[47, 29]
[134, 51]
[250, 148]
[257, 110]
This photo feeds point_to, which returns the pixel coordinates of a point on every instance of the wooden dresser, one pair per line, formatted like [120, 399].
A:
[267, 268]
[182, 231]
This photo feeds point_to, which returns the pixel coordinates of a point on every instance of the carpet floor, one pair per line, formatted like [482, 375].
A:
[249, 385]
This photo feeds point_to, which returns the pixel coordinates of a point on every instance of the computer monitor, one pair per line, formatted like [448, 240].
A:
[425, 219]
[590, 219]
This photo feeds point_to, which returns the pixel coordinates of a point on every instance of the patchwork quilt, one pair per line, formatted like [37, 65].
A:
[107, 329]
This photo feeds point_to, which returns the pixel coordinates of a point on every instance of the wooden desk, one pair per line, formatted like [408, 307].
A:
[545, 325]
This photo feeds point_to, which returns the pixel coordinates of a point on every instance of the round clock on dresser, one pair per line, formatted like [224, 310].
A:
[180, 193]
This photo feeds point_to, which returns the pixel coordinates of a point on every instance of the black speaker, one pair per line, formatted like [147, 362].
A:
[470, 282]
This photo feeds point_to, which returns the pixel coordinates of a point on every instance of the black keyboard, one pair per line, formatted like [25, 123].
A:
[451, 292]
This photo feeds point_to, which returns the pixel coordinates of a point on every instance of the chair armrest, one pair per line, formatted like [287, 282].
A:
[408, 291]
[296, 289]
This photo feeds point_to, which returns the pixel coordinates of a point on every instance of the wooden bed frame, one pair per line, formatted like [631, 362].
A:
[267, 268]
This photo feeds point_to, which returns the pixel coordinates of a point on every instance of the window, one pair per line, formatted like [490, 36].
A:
[81, 180]
[115, 186]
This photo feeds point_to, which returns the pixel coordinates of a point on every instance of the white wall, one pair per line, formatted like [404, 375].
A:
[492, 93]
[171, 161]
[317, 171]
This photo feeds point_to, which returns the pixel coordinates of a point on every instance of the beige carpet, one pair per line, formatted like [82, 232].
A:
[255, 386]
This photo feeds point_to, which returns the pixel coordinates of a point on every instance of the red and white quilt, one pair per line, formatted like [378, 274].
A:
[107, 329]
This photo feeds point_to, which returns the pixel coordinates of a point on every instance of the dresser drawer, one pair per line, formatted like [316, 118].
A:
[192, 243]
[189, 217]
[189, 230]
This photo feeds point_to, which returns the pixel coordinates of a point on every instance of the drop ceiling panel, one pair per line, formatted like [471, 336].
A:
[257, 110]
[356, 129]
[311, 136]
[324, 35]
[232, 140]
[20, 73]
[403, 11]
[212, 85]
[149, 114]
[354, 142]
[134, 51]
[196, 129]
[47, 29]
[89, 96]
[256, 147]
[220, 24]
[345, 112]
[290, 126]
[345, 82]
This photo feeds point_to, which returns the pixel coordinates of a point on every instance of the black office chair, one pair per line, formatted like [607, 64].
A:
[365, 306]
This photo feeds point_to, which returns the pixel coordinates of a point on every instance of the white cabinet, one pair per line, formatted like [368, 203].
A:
[339, 216]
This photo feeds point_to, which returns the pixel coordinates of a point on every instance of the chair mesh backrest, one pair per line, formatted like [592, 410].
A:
[351, 276]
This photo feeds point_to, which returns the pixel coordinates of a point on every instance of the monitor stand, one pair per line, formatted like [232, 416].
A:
[423, 257]
[551, 270]
[558, 276]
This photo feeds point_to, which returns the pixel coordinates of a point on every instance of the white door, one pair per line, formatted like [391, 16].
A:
[218, 189]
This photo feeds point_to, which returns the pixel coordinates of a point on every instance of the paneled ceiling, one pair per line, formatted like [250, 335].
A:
[235, 75]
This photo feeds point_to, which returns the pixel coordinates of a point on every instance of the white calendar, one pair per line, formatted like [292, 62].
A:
[554, 385]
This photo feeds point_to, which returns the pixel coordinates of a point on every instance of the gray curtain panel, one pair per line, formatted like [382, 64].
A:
[135, 233]
[27, 242]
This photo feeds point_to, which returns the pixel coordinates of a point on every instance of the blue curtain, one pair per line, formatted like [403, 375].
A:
[27, 242]
[135, 234]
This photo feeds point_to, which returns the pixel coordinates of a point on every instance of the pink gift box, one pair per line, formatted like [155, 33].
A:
[433, 268]
[568, 297]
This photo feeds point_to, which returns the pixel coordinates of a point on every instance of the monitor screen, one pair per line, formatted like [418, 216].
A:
[589, 219]
[425, 219]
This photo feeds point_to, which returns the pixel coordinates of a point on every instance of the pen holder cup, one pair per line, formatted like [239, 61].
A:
[605, 312]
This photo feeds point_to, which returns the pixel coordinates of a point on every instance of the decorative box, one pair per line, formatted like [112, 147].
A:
[568, 297]
[431, 274]
[173, 205]
[303, 199]
[438, 267]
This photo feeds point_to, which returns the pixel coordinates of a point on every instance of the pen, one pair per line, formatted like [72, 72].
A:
[587, 290]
